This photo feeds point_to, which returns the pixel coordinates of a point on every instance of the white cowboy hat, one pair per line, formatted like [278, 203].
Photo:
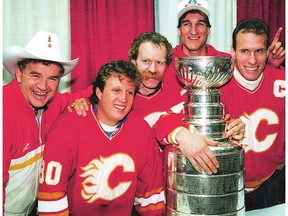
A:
[44, 46]
[187, 5]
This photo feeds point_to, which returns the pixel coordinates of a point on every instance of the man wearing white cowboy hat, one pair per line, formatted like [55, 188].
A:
[31, 103]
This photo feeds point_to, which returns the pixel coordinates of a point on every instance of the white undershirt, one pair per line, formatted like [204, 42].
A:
[108, 128]
[248, 84]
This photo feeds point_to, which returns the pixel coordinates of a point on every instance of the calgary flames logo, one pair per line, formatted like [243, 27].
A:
[97, 173]
[252, 122]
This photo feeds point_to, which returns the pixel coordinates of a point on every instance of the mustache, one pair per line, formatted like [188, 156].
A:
[149, 75]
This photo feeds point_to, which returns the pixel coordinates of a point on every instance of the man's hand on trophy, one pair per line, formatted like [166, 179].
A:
[195, 147]
[235, 128]
[81, 106]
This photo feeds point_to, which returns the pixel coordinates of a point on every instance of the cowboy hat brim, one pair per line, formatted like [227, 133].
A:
[13, 54]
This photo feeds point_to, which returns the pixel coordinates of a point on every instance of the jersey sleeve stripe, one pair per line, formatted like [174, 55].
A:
[150, 193]
[252, 186]
[53, 206]
[26, 160]
[51, 196]
[64, 213]
[154, 199]
[150, 208]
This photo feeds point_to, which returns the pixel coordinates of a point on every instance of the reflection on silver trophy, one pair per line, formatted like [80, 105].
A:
[188, 192]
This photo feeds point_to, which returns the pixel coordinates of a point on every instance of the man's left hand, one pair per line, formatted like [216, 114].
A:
[276, 51]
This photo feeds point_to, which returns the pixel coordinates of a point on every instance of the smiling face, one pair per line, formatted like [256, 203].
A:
[193, 32]
[116, 100]
[250, 54]
[151, 64]
[38, 82]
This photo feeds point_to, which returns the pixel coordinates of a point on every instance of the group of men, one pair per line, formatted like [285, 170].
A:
[109, 161]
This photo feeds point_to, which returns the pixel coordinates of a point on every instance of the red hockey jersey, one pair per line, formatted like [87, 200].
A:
[263, 112]
[88, 173]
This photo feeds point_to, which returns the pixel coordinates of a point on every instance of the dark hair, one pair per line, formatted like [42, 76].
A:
[154, 38]
[252, 25]
[206, 18]
[119, 68]
[22, 64]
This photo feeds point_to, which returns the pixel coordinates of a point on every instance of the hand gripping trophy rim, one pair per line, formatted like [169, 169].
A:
[204, 71]
[202, 75]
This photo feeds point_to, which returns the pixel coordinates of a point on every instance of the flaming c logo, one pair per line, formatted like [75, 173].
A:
[97, 173]
[252, 123]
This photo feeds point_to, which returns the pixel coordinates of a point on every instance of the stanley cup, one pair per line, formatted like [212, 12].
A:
[202, 76]
[189, 192]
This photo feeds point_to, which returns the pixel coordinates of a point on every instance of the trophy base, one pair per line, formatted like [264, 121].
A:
[193, 193]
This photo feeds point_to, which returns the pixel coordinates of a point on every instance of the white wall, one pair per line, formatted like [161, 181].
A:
[23, 18]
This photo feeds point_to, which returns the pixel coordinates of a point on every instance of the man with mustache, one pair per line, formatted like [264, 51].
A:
[151, 53]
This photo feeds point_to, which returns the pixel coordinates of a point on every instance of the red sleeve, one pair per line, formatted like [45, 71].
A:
[150, 198]
[166, 124]
[84, 93]
[7, 141]
[57, 167]
[68, 98]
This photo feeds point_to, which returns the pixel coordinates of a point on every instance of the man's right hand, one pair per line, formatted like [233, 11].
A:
[81, 106]
[195, 147]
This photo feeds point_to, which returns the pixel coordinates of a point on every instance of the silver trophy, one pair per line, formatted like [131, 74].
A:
[202, 75]
[188, 192]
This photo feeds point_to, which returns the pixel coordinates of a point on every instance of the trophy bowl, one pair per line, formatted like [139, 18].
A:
[204, 71]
